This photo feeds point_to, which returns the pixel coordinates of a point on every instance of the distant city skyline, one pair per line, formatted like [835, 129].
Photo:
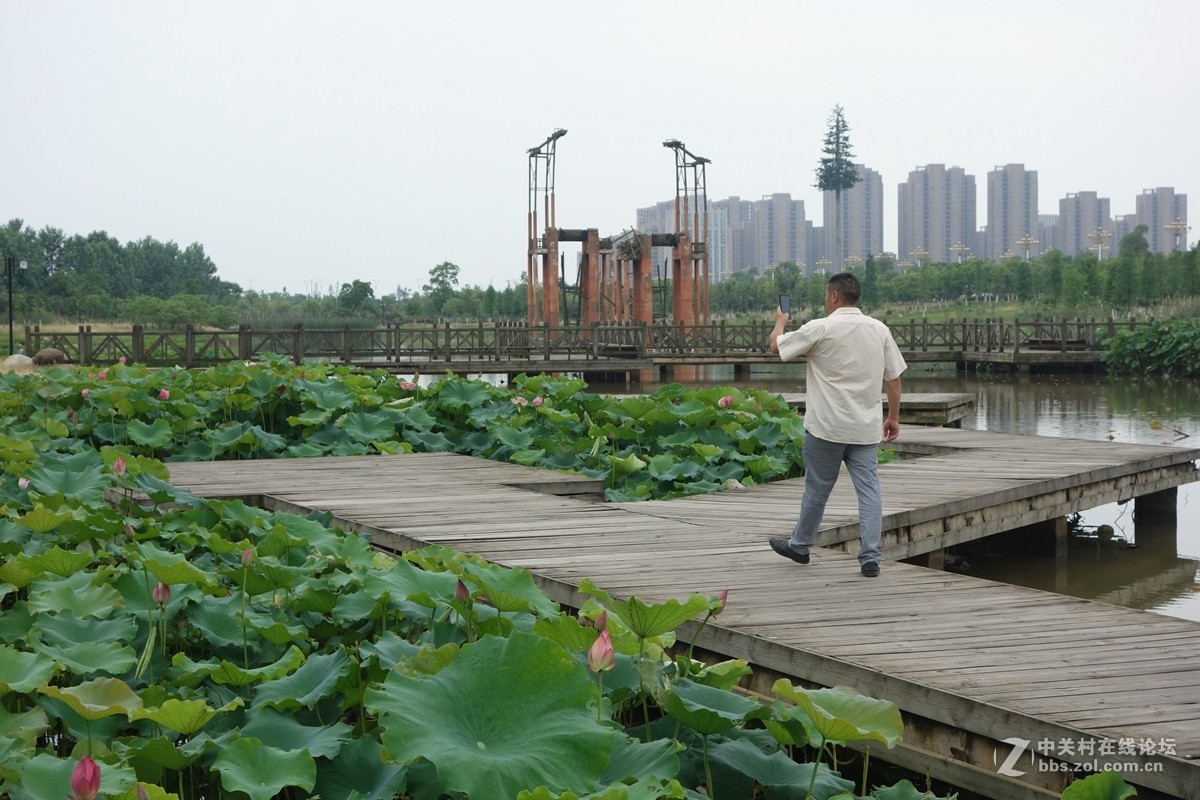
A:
[936, 221]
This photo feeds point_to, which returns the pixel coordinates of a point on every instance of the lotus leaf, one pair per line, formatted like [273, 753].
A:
[159, 750]
[313, 681]
[366, 427]
[184, 716]
[41, 519]
[647, 621]
[170, 568]
[24, 726]
[456, 394]
[77, 597]
[47, 776]
[472, 719]
[288, 733]
[708, 710]
[156, 435]
[509, 590]
[904, 790]
[359, 771]
[88, 658]
[780, 774]
[247, 765]
[58, 561]
[100, 697]
[843, 715]
[1100, 786]
[23, 672]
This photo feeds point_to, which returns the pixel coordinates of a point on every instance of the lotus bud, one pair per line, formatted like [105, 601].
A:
[161, 594]
[726, 401]
[602, 621]
[601, 655]
[247, 557]
[121, 360]
[537, 401]
[461, 593]
[142, 794]
[118, 468]
[85, 780]
[22, 483]
[85, 392]
[163, 394]
[722, 598]
[102, 375]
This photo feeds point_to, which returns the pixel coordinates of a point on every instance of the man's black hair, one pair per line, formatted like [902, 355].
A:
[845, 284]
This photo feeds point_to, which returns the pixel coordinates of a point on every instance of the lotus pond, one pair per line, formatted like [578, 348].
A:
[154, 644]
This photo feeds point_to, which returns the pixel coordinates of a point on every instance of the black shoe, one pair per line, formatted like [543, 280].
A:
[784, 548]
[871, 569]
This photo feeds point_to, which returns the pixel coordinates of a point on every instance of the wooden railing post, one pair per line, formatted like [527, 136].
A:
[297, 342]
[449, 351]
[498, 333]
[546, 341]
[137, 347]
[85, 345]
[244, 346]
[1016, 335]
[189, 346]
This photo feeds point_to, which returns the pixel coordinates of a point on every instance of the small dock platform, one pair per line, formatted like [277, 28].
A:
[970, 662]
[926, 408]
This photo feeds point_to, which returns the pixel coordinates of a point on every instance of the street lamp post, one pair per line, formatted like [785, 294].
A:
[1178, 227]
[959, 249]
[919, 255]
[9, 264]
[1099, 236]
[823, 264]
[1027, 241]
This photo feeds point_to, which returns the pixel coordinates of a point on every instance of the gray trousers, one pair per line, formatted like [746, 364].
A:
[822, 462]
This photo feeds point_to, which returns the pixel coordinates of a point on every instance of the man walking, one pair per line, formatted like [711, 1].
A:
[850, 355]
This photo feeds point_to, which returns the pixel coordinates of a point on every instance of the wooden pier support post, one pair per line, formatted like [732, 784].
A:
[1049, 538]
[1157, 506]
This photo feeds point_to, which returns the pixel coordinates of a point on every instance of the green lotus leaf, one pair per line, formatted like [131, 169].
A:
[99, 697]
[430, 442]
[777, 771]
[627, 465]
[170, 568]
[24, 726]
[527, 458]
[311, 418]
[230, 674]
[288, 733]
[508, 589]
[41, 519]
[156, 435]
[843, 715]
[47, 776]
[15, 574]
[158, 490]
[160, 751]
[418, 418]
[708, 710]
[366, 427]
[1100, 786]
[327, 395]
[647, 621]
[403, 579]
[724, 674]
[59, 562]
[219, 619]
[456, 394]
[87, 658]
[315, 680]
[632, 758]
[360, 771]
[632, 408]
[229, 436]
[23, 672]
[571, 634]
[184, 716]
[390, 649]
[513, 438]
[80, 599]
[54, 428]
[247, 765]
[471, 719]
[707, 451]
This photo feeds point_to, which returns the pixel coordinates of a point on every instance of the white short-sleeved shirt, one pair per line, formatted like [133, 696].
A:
[850, 355]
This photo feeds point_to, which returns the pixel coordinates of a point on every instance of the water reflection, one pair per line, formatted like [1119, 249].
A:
[1149, 565]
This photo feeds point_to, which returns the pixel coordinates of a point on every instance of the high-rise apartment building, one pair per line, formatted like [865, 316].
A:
[1080, 217]
[1012, 212]
[862, 219]
[1158, 208]
[936, 209]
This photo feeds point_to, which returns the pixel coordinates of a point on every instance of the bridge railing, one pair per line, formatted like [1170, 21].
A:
[444, 343]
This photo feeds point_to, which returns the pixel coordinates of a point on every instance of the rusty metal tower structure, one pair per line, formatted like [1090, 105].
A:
[616, 277]
[689, 254]
[541, 276]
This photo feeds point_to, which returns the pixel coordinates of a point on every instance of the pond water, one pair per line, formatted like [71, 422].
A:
[1146, 565]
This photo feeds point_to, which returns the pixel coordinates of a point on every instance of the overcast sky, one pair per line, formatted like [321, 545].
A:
[306, 144]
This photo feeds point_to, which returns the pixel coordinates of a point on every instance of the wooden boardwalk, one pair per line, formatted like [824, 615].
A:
[970, 662]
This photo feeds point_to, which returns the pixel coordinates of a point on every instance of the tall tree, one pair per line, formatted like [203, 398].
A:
[835, 172]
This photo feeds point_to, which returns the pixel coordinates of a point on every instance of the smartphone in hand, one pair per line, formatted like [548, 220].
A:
[785, 304]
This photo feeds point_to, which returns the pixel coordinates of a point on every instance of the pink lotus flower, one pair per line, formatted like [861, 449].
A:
[725, 402]
[601, 655]
[408, 386]
[142, 794]
[163, 394]
[724, 598]
[601, 623]
[461, 593]
[102, 375]
[22, 483]
[520, 402]
[121, 360]
[85, 392]
[85, 780]
[537, 401]
[118, 468]
[247, 557]
[161, 594]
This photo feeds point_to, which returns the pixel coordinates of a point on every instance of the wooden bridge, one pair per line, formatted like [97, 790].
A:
[971, 663]
[506, 348]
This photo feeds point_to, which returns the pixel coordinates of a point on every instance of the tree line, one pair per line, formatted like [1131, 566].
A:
[95, 278]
